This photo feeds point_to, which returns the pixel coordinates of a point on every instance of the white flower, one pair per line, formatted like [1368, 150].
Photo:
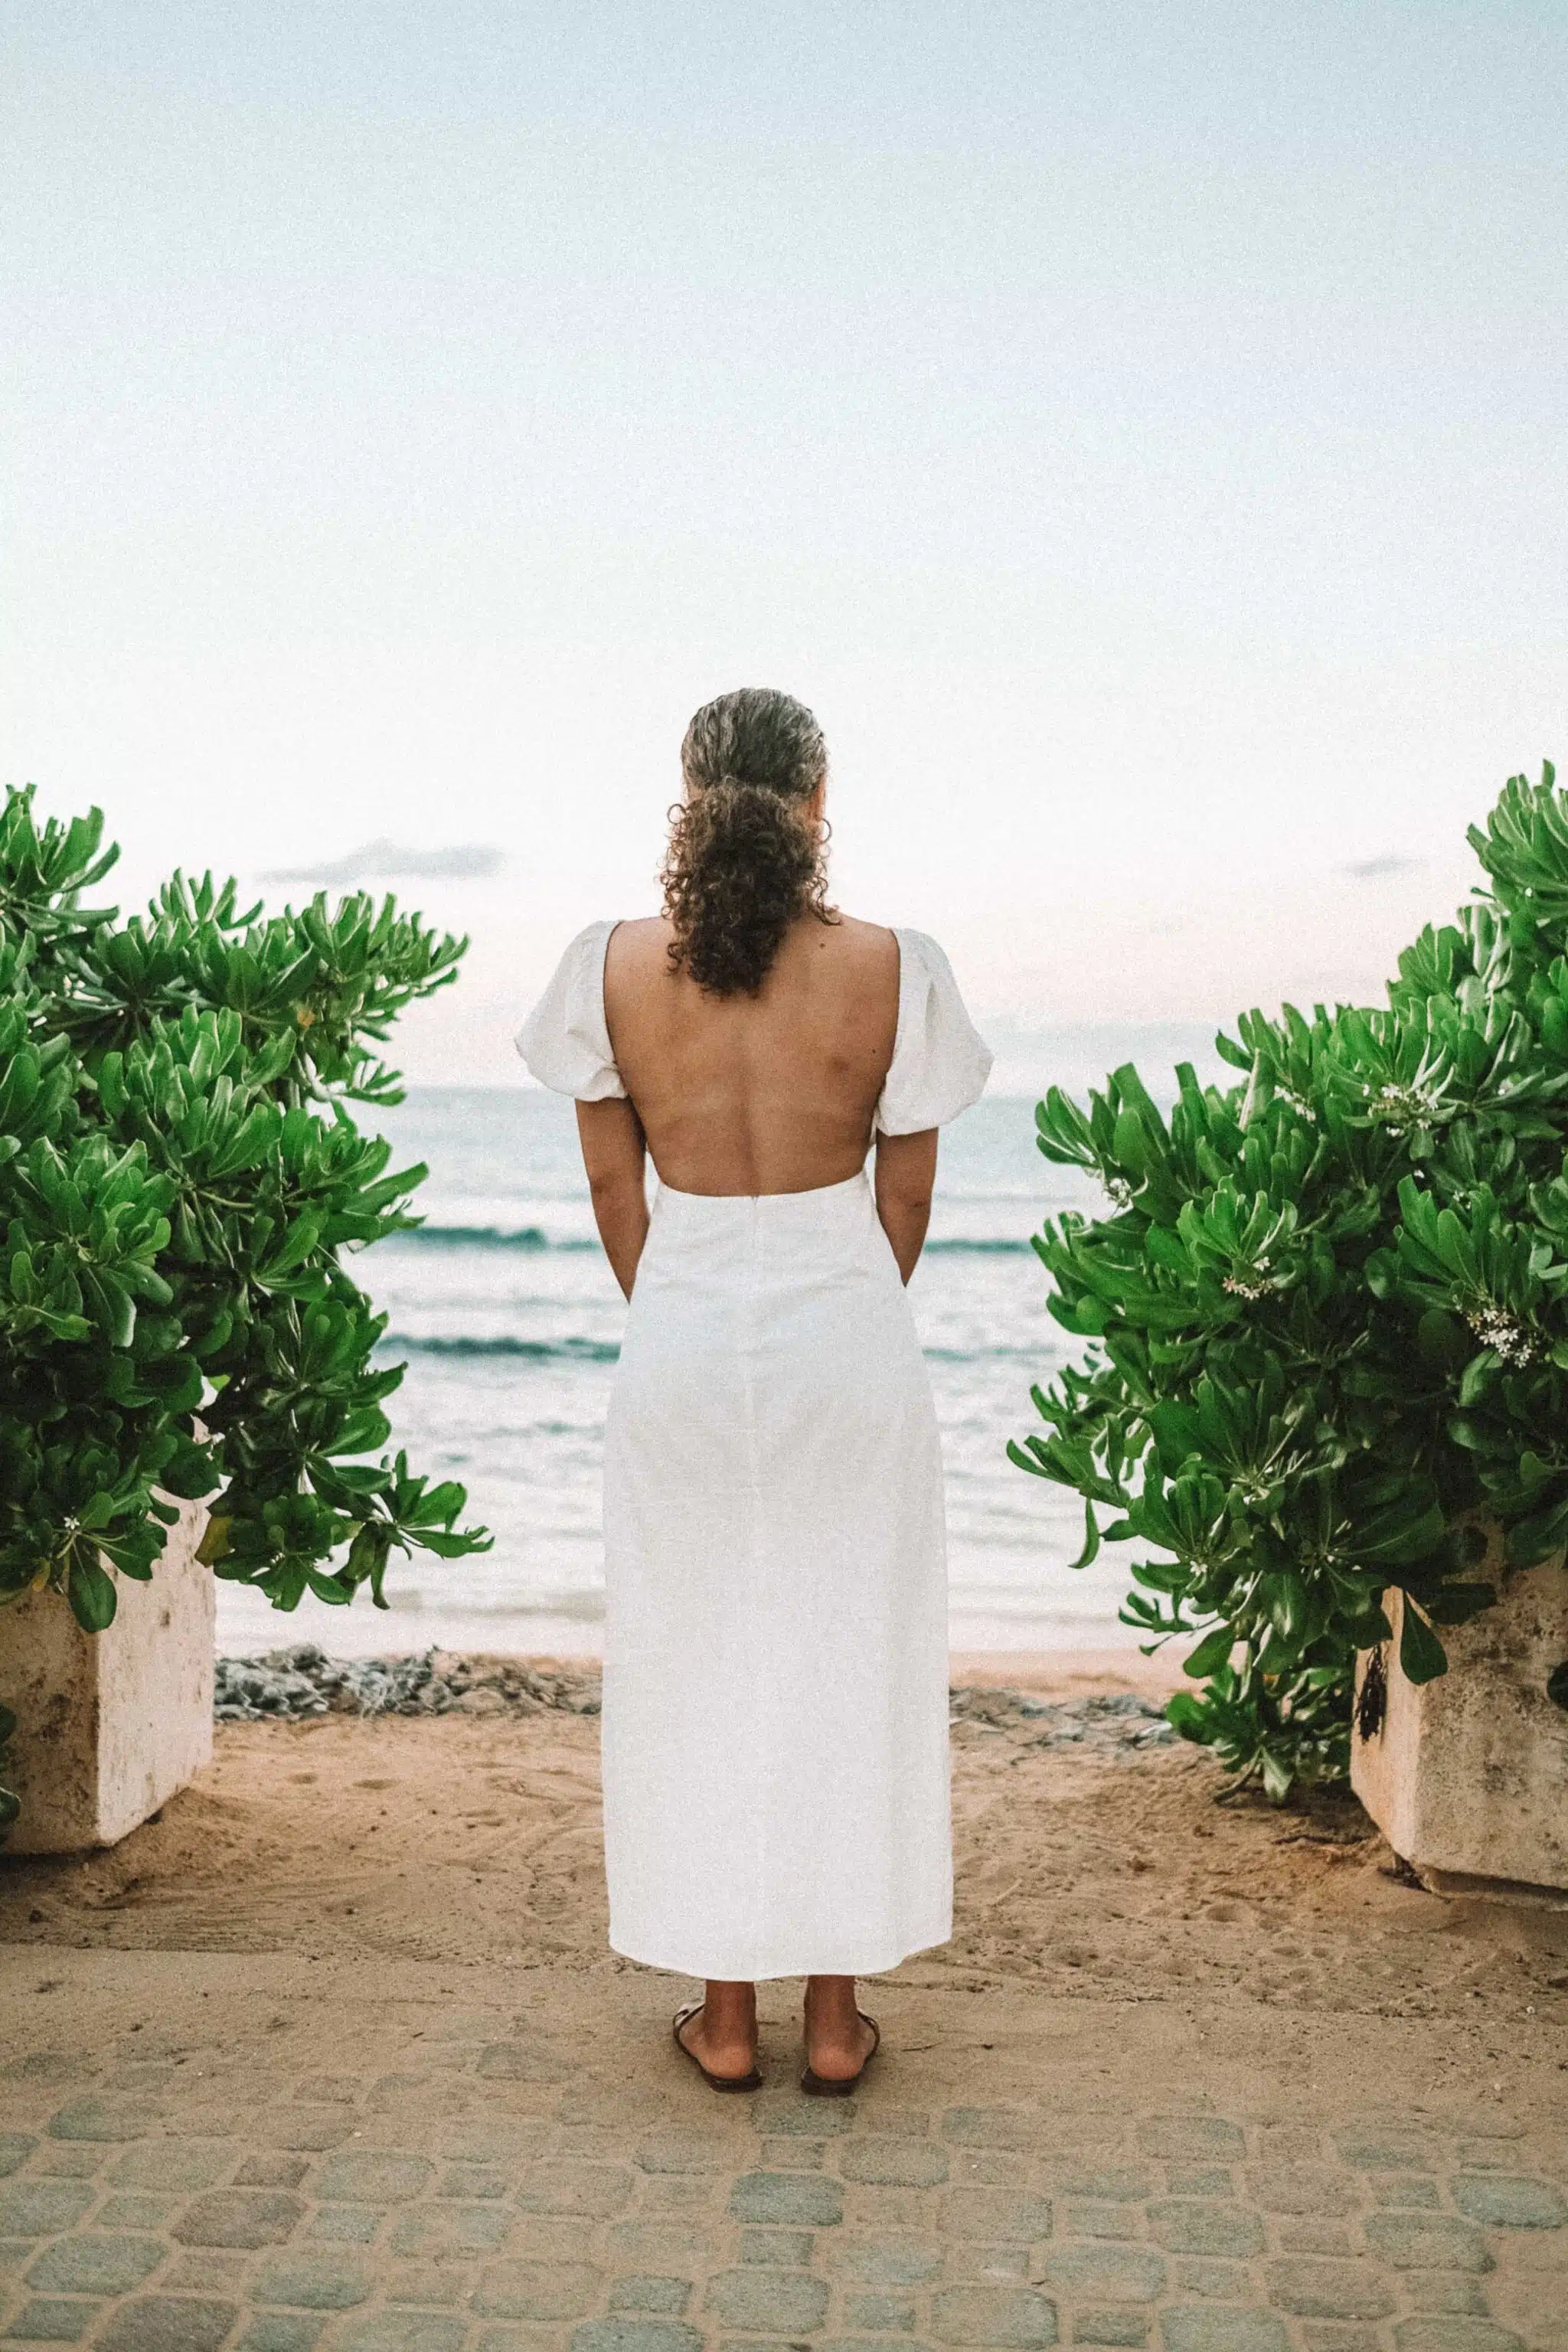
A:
[1405, 1106]
[1234, 1283]
[1494, 1328]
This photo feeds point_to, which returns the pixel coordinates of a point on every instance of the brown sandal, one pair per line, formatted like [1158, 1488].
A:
[751, 2081]
[824, 2087]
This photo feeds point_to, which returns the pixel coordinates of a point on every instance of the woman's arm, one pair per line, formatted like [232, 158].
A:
[906, 1172]
[614, 1153]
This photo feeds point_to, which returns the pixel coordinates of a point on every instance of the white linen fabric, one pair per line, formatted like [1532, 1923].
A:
[773, 1740]
[565, 1040]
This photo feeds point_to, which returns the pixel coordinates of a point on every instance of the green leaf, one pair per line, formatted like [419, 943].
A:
[91, 1592]
[328, 1589]
[1189, 1717]
[1091, 1538]
[188, 1472]
[1422, 1656]
[450, 1544]
[1531, 1540]
[1129, 1143]
[217, 1540]
[1284, 1601]
[1212, 1652]
[1443, 1341]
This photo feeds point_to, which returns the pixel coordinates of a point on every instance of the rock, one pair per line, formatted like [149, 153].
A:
[1116, 1723]
[300, 1682]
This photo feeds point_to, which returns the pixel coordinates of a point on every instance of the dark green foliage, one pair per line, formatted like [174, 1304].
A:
[1328, 1317]
[183, 1190]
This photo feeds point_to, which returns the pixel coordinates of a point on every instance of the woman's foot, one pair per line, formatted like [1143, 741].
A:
[838, 2039]
[722, 2034]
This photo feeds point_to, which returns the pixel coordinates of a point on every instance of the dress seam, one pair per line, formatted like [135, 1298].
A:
[763, 1732]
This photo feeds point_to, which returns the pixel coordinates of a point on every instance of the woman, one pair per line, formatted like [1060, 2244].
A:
[774, 1733]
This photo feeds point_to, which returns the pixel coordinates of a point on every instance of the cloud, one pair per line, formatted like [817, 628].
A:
[1375, 869]
[382, 861]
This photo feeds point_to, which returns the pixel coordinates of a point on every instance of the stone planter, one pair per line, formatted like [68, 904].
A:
[1467, 1777]
[109, 1725]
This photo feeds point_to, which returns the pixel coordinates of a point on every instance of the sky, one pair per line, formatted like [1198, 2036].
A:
[1137, 430]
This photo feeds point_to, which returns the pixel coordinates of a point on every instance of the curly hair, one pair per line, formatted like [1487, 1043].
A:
[744, 860]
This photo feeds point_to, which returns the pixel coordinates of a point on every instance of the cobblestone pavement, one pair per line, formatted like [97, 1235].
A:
[210, 2153]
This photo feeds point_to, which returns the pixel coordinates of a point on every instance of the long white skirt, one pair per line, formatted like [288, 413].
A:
[774, 1732]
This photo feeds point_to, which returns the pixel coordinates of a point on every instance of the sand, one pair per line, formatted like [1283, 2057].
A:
[475, 1839]
[392, 1930]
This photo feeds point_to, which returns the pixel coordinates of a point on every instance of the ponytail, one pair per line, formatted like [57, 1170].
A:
[744, 859]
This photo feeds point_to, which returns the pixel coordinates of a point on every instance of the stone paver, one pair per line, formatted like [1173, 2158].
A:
[467, 2180]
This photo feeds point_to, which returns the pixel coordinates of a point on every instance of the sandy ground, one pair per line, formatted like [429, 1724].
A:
[1112, 1877]
[388, 1936]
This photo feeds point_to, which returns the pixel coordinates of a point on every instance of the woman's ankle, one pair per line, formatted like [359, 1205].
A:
[831, 1992]
[729, 2007]
[830, 2010]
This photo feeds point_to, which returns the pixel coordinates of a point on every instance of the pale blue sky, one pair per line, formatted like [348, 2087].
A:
[1138, 429]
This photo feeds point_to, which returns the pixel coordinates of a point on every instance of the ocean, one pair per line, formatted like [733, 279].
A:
[509, 1319]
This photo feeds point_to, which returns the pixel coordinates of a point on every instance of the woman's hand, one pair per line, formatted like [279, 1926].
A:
[906, 1174]
[614, 1154]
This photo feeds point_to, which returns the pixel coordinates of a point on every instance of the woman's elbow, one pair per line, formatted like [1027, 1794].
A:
[615, 1190]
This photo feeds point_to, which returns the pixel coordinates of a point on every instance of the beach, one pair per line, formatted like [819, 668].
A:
[332, 2056]
[1090, 1857]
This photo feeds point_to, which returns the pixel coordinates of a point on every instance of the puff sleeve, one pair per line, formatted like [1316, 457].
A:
[941, 1062]
[565, 1040]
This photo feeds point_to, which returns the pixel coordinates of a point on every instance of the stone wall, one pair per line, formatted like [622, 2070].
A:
[1467, 1777]
[109, 1724]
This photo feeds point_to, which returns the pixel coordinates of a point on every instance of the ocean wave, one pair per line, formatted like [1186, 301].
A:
[1030, 1355]
[519, 1237]
[607, 1352]
[978, 1248]
[583, 1352]
[534, 1237]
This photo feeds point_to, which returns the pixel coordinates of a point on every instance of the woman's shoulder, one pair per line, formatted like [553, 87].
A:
[895, 946]
[638, 938]
[587, 945]
[918, 949]
[622, 942]
[886, 936]
[867, 947]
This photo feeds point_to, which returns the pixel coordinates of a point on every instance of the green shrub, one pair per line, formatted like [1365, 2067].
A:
[1328, 1317]
[182, 1187]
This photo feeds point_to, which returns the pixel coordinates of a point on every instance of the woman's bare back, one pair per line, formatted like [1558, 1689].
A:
[771, 1093]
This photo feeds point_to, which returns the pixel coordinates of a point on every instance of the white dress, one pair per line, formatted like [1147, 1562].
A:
[774, 1733]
